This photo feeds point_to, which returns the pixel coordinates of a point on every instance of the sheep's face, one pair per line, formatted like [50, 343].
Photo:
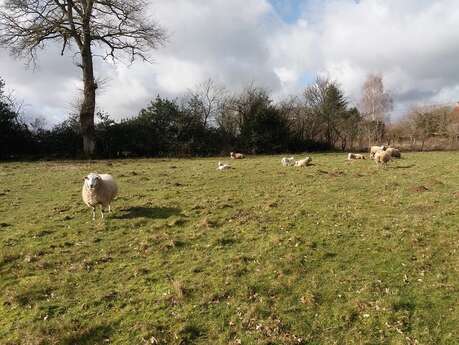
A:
[91, 180]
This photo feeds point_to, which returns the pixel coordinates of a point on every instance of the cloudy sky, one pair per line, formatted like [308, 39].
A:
[278, 44]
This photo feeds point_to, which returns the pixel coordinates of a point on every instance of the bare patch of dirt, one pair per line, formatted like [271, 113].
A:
[336, 173]
[207, 223]
[434, 182]
[419, 189]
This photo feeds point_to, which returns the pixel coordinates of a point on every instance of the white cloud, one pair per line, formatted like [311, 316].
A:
[413, 43]
[410, 42]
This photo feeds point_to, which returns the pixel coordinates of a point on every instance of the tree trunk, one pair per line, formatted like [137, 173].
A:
[88, 105]
[369, 138]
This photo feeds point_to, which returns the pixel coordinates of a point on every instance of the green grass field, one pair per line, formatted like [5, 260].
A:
[336, 253]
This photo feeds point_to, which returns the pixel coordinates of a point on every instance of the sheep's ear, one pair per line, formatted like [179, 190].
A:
[85, 178]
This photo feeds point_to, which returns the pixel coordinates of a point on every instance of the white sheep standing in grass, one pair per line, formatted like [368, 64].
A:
[355, 156]
[395, 153]
[236, 155]
[288, 161]
[99, 189]
[375, 149]
[303, 162]
[382, 157]
[223, 166]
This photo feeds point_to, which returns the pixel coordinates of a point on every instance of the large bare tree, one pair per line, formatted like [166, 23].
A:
[111, 29]
[375, 105]
[376, 102]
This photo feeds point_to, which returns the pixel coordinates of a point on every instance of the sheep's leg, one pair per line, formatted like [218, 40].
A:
[102, 211]
[93, 213]
[109, 209]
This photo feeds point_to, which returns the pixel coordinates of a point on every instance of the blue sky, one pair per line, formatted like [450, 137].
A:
[289, 10]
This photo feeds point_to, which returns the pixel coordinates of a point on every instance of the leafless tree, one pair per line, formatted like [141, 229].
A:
[308, 117]
[5, 97]
[238, 107]
[376, 102]
[430, 121]
[113, 28]
[207, 99]
[375, 105]
[453, 125]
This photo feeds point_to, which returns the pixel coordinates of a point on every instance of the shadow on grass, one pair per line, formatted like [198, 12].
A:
[148, 212]
[4, 225]
[403, 166]
[94, 335]
[29, 295]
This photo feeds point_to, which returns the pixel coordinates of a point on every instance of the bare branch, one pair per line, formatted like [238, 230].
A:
[119, 28]
[375, 102]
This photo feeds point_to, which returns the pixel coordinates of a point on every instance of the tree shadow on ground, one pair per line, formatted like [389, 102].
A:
[148, 212]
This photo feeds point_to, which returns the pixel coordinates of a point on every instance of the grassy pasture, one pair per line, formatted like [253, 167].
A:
[336, 253]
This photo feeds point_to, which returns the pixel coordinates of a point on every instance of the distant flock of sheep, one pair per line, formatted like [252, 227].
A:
[101, 189]
[383, 154]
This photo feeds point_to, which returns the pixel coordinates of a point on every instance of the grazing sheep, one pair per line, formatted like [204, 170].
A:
[99, 189]
[288, 161]
[382, 157]
[355, 156]
[395, 153]
[223, 166]
[375, 149]
[236, 155]
[303, 162]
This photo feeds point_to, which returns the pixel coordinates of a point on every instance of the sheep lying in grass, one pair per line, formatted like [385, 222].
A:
[303, 162]
[382, 157]
[99, 189]
[223, 166]
[375, 149]
[236, 155]
[355, 156]
[288, 161]
[395, 153]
